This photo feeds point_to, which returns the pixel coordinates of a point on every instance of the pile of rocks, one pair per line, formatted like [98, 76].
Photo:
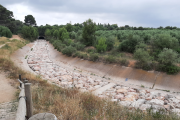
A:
[142, 99]
[40, 62]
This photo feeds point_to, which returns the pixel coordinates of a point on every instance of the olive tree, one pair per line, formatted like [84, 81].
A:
[168, 56]
[89, 32]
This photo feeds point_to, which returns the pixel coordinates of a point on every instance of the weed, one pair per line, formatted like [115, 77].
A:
[142, 86]
[26, 56]
[6, 47]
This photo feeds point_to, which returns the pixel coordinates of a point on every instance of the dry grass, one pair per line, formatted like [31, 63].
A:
[71, 104]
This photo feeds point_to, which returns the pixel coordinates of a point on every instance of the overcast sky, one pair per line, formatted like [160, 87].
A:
[146, 13]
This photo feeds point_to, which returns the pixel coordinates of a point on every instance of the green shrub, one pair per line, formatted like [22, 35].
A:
[90, 50]
[110, 42]
[69, 50]
[129, 45]
[6, 47]
[67, 41]
[93, 56]
[5, 31]
[79, 46]
[169, 69]
[124, 62]
[101, 46]
[142, 55]
[83, 56]
[110, 59]
[76, 54]
[72, 35]
[143, 65]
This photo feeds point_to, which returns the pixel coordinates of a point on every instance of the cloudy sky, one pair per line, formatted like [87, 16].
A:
[146, 13]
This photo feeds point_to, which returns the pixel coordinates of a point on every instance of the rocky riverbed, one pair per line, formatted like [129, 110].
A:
[40, 62]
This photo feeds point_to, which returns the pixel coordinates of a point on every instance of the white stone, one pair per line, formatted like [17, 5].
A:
[145, 107]
[157, 102]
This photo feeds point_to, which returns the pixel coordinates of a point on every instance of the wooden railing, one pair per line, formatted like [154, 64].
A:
[25, 108]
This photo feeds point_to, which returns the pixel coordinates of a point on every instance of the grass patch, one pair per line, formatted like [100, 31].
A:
[6, 47]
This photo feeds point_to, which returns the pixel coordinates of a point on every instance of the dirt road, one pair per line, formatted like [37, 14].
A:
[7, 91]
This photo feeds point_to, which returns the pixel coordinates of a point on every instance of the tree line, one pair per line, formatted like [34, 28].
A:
[151, 47]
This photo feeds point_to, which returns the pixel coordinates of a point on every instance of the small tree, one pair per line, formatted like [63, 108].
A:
[4, 31]
[55, 34]
[110, 42]
[30, 20]
[48, 33]
[89, 32]
[65, 35]
[69, 27]
[141, 55]
[168, 56]
[101, 46]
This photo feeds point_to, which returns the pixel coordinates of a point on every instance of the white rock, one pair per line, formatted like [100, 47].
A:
[157, 102]
[145, 107]
[125, 103]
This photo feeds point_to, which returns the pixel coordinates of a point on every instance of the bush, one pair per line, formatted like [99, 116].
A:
[4, 31]
[124, 62]
[101, 46]
[83, 56]
[91, 50]
[6, 47]
[168, 56]
[30, 33]
[142, 55]
[129, 45]
[72, 35]
[110, 42]
[79, 46]
[76, 54]
[67, 41]
[110, 59]
[93, 56]
[69, 50]
[169, 69]
[143, 65]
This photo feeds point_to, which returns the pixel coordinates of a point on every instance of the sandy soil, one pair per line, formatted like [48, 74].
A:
[7, 91]
[15, 37]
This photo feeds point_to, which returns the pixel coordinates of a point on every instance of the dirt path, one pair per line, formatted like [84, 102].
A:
[7, 91]
[15, 37]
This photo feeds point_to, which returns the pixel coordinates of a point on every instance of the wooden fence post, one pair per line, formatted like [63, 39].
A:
[29, 104]
[20, 80]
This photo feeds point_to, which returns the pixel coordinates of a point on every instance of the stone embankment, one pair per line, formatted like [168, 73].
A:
[41, 64]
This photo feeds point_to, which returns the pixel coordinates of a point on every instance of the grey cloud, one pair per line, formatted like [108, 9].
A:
[150, 13]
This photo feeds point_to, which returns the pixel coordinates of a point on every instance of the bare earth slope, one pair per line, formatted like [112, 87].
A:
[7, 92]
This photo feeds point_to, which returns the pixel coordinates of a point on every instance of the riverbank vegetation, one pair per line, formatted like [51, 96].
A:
[150, 48]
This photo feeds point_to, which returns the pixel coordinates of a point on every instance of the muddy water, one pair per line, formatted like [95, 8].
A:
[121, 74]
